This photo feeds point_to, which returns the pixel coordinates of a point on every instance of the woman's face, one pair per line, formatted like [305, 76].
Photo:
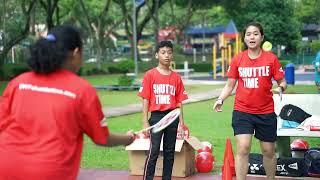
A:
[253, 37]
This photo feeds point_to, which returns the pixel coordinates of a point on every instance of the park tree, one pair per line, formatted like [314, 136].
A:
[100, 19]
[143, 13]
[51, 7]
[281, 28]
[307, 11]
[15, 23]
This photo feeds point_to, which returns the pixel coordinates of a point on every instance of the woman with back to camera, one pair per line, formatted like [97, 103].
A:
[44, 113]
[253, 113]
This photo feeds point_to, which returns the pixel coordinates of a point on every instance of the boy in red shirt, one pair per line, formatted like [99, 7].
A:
[45, 113]
[253, 112]
[162, 90]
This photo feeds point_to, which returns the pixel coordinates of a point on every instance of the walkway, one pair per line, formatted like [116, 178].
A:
[100, 174]
[135, 108]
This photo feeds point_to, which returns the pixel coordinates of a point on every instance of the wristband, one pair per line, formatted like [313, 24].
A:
[219, 101]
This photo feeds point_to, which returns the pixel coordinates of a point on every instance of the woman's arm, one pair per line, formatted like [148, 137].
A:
[225, 93]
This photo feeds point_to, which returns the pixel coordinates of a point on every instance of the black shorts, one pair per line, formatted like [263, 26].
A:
[263, 126]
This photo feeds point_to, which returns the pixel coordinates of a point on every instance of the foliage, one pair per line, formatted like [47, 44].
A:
[198, 67]
[12, 70]
[126, 65]
[284, 63]
[307, 11]
[280, 27]
[125, 80]
[315, 46]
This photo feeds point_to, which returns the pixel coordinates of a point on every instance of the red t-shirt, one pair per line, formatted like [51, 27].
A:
[254, 76]
[164, 92]
[42, 122]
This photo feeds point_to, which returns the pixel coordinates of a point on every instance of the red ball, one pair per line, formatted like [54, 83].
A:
[205, 149]
[204, 162]
[299, 144]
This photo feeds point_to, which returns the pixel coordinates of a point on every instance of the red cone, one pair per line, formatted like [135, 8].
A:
[228, 168]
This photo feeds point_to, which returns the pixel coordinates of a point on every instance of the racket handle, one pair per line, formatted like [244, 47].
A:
[314, 128]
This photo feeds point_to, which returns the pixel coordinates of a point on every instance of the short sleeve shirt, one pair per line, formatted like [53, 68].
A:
[254, 77]
[164, 92]
[42, 122]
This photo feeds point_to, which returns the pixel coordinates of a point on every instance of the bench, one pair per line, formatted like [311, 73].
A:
[309, 103]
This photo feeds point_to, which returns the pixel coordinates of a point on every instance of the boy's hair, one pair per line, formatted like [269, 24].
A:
[162, 44]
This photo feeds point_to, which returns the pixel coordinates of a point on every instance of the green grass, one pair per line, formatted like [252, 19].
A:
[119, 98]
[203, 123]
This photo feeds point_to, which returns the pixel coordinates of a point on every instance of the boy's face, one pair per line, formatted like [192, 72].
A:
[164, 55]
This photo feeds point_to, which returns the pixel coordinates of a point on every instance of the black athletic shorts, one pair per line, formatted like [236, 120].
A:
[263, 126]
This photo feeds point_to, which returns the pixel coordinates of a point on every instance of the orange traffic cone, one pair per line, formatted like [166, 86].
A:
[228, 168]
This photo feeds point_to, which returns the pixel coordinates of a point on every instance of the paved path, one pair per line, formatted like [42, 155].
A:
[135, 108]
[102, 174]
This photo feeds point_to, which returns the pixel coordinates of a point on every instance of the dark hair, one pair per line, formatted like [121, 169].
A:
[162, 44]
[255, 24]
[50, 52]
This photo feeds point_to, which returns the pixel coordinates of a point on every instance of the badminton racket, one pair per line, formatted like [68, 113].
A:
[164, 122]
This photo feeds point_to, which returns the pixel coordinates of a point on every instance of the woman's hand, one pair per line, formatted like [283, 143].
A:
[217, 105]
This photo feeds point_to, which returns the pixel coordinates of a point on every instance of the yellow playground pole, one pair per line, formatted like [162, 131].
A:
[214, 62]
[229, 54]
[222, 61]
[237, 44]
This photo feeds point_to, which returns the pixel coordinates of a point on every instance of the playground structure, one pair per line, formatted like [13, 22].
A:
[229, 45]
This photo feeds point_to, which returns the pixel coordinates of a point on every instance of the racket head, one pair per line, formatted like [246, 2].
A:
[166, 120]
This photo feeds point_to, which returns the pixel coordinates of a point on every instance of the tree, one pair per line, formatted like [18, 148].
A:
[307, 11]
[280, 27]
[100, 22]
[50, 6]
[142, 20]
[16, 26]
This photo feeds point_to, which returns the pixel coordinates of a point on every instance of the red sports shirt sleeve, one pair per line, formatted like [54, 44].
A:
[5, 103]
[92, 118]
[278, 72]
[233, 68]
[145, 88]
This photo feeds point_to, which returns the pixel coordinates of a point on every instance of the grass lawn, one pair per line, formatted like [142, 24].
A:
[118, 98]
[203, 123]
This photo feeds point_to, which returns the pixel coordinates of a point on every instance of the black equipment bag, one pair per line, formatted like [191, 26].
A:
[294, 167]
[312, 158]
[256, 164]
[293, 113]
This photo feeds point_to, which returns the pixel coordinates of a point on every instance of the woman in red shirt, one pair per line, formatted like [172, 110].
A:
[253, 113]
[44, 113]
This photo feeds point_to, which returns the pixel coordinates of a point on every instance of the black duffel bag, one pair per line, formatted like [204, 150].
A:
[256, 164]
[293, 167]
[312, 158]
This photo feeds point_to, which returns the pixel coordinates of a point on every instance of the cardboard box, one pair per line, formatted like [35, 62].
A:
[184, 159]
